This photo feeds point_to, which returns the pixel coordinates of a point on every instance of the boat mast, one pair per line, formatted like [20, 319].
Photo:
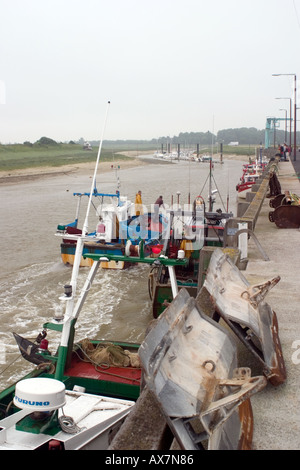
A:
[85, 225]
[69, 299]
[210, 195]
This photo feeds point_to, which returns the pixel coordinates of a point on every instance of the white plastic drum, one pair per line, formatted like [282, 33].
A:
[40, 394]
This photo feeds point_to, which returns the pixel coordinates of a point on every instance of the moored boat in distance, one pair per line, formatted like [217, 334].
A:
[189, 231]
[105, 237]
[116, 228]
[251, 173]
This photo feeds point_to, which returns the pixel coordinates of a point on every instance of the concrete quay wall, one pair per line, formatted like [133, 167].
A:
[277, 409]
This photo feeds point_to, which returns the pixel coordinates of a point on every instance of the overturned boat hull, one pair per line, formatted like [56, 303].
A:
[243, 308]
[190, 364]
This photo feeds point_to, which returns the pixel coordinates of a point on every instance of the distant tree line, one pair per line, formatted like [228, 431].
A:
[242, 135]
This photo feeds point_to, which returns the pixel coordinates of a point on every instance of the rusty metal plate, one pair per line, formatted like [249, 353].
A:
[190, 364]
[286, 216]
[243, 308]
[276, 201]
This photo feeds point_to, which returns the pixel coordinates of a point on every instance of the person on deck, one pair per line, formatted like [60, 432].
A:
[138, 203]
[158, 203]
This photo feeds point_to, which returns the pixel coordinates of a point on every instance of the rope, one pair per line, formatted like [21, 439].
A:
[68, 425]
[47, 365]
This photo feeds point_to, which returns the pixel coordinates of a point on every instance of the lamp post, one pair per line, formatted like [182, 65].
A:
[295, 106]
[290, 99]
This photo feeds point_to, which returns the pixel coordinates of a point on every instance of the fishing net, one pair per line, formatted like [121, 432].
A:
[109, 354]
[295, 200]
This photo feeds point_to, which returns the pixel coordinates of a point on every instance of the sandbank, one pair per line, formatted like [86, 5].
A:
[16, 176]
[26, 174]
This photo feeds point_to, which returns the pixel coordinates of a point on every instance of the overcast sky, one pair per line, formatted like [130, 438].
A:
[167, 66]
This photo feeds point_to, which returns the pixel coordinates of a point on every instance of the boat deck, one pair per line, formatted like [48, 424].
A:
[87, 370]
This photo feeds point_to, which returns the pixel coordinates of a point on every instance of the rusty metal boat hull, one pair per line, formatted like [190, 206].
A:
[287, 210]
[243, 308]
[286, 216]
[190, 364]
[276, 201]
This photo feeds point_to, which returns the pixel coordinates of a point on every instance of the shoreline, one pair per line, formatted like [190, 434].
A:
[27, 174]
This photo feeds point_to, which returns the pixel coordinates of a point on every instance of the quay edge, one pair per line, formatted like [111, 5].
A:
[276, 409]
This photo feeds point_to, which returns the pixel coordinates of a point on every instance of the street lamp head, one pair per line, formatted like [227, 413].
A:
[280, 74]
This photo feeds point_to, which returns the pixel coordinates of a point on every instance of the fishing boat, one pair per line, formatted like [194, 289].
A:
[250, 176]
[42, 422]
[246, 183]
[77, 396]
[205, 158]
[70, 400]
[104, 238]
[189, 231]
[116, 229]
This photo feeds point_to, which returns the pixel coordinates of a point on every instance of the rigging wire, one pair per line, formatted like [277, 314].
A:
[10, 363]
